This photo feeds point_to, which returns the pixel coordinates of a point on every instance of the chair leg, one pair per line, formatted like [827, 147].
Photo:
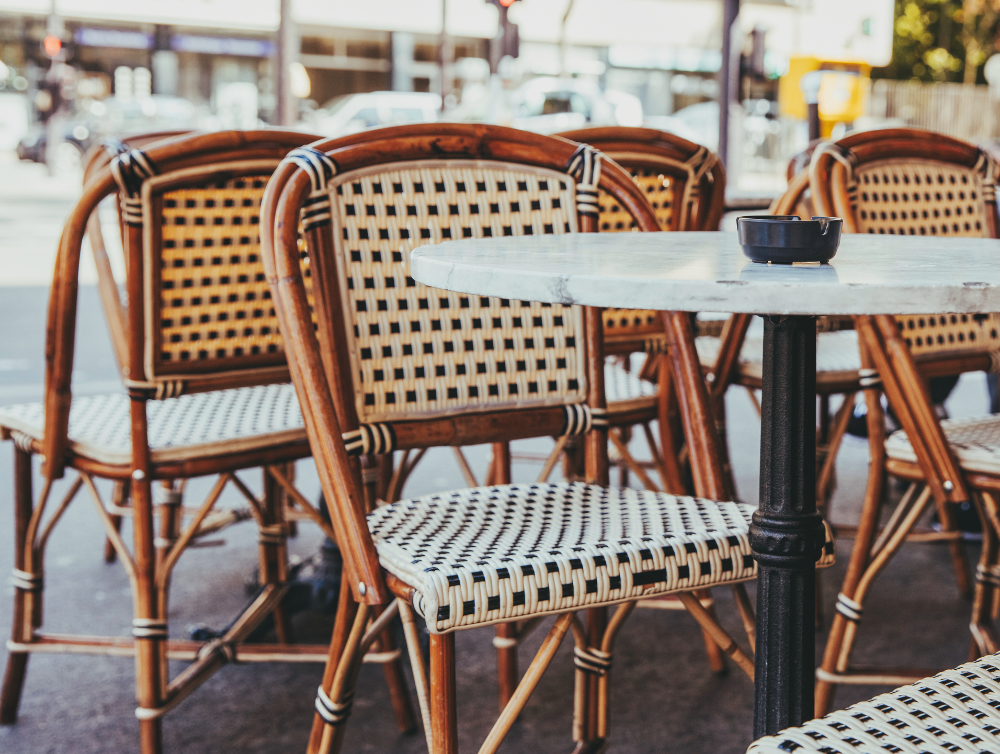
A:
[850, 601]
[399, 694]
[671, 438]
[288, 502]
[507, 670]
[347, 609]
[716, 659]
[119, 498]
[444, 716]
[274, 550]
[17, 662]
[956, 549]
[149, 628]
[984, 636]
[860, 554]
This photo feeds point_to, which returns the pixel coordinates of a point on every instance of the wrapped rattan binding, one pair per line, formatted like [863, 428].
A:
[130, 169]
[585, 167]
[320, 168]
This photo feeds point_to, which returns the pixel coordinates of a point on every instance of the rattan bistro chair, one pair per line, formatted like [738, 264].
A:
[945, 461]
[685, 184]
[909, 182]
[207, 395]
[954, 712]
[389, 363]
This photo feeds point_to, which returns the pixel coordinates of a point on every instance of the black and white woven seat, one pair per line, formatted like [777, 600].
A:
[954, 712]
[975, 443]
[626, 390]
[500, 554]
[183, 428]
[837, 356]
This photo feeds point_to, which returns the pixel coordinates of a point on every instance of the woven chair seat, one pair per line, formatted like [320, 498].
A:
[975, 442]
[625, 391]
[837, 355]
[497, 554]
[191, 426]
[951, 713]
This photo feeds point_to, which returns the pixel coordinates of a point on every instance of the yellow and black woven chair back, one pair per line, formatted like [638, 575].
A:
[208, 317]
[422, 351]
[685, 185]
[918, 183]
[907, 182]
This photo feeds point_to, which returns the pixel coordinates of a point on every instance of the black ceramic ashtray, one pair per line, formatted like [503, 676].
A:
[784, 239]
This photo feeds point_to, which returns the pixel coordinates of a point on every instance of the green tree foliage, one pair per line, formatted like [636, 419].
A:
[943, 40]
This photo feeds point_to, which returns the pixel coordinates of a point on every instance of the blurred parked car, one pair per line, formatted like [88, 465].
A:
[114, 116]
[549, 105]
[698, 123]
[351, 113]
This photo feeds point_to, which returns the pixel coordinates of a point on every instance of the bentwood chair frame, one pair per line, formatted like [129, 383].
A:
[685, 183]
[116, 315]
[910, 182]
[178, 199]
[679, 203]
[326, 185]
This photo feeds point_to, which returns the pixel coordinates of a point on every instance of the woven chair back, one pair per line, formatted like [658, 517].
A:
[97, 157]
[390, 363]
[190, 208]
[914, 182]
[685, 184]
[208, 311]
[421, 351]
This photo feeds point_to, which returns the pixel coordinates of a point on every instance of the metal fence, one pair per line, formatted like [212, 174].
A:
[964, 111]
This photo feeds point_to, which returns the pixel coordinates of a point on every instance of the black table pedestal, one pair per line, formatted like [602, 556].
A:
[787, 533]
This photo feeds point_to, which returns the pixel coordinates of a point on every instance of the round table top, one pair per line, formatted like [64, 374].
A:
[871, 274]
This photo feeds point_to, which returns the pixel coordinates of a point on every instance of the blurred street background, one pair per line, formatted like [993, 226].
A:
[76, 72]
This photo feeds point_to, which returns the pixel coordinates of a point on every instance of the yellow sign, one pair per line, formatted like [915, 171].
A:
[843, 84]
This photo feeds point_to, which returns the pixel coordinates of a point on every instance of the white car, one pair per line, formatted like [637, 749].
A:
[550, 105]
[351, 113]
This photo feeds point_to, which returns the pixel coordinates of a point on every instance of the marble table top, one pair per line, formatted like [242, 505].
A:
[708, 272]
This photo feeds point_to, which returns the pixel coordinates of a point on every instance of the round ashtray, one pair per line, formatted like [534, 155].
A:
[784, 239]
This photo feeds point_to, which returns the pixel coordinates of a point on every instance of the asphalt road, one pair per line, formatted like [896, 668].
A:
[664, 697]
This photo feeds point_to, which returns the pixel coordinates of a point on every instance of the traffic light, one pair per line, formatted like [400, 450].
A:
[507, 42]
[52, 46]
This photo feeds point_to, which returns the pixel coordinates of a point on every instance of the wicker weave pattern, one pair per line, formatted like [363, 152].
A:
[623, 388]
[192, 426]
[632, 322]
[615, 219]
[975, 442]
[499, 553]
[420, 350]
[954, 712]
[917, 197]
[935, 333]
[659, 190]
[215, 301]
